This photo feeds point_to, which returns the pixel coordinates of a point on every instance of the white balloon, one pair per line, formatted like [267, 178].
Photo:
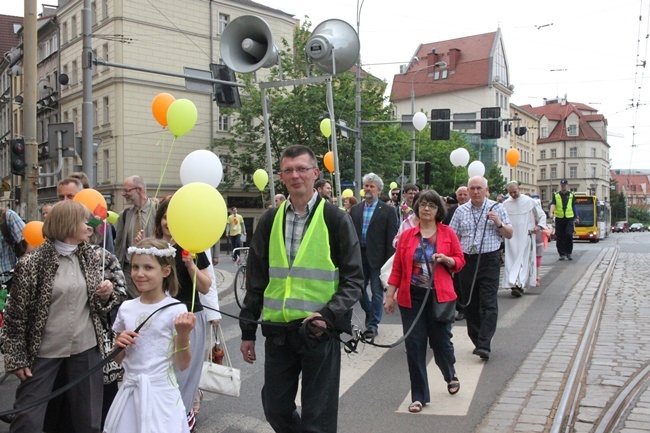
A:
[463, 157]
[476, 168]
[419, 120]
[453, 157]
[202, 166]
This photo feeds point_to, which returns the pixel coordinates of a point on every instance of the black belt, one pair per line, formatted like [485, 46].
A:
[483, 254]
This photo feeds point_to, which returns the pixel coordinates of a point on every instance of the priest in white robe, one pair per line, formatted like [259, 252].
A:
[527, 218]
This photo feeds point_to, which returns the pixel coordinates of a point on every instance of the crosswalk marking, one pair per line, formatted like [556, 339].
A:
[468, 369]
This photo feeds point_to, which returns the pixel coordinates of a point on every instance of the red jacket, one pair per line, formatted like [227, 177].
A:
[446, 243]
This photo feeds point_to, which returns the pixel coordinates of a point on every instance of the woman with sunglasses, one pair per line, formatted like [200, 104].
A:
[425, 259]
[52, 320]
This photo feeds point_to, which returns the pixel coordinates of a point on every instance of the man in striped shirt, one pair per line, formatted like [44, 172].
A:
[480, 224]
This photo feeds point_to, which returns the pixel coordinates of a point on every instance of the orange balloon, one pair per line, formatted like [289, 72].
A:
[328, 161]
[512, 156]
[90, 198]
[159, 107]
[33, 233]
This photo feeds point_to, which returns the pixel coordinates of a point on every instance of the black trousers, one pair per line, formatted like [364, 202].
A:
[564, 228]
[483, 309]
[288, 356]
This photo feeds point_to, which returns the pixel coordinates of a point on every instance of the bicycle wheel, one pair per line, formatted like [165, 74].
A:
[240, 286]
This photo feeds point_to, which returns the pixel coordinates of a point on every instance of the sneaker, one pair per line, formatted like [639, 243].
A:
[568, 256]
[562, 257]
[516, 292]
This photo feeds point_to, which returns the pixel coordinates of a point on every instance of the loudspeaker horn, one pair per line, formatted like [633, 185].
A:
[333, 39]
[247, 44]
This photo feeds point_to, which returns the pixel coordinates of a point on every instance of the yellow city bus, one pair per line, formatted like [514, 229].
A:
[593, 216]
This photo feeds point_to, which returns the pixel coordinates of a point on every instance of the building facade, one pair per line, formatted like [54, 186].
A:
[525, 141]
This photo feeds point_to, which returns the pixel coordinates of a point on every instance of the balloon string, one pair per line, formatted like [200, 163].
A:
[194, 281]
[162, 175]
[262, 194]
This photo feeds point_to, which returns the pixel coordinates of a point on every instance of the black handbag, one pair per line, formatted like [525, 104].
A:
[444, 312]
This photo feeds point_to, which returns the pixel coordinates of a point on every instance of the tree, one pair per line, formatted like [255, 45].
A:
[496, 181]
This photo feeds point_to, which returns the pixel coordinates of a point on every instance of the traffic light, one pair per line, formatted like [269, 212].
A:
[440, 131]
[490, 128]
[226, 96]
[520, 130]
[18, 157]
[427, 173]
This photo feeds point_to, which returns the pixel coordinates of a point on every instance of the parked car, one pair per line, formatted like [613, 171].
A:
[621, 227]
[637, 227]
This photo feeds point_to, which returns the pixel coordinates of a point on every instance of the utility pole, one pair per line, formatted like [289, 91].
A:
[87, 154]
[30, 180]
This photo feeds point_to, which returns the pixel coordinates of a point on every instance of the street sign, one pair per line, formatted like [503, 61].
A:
[198, 85]
[67, 139]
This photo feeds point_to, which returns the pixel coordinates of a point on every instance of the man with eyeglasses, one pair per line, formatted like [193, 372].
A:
[134, 222]
[304, 272]
[376, 225]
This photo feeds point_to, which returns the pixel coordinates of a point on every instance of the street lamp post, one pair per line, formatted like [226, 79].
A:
[413, 162]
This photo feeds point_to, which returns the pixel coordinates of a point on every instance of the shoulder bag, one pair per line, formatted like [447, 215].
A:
[444, 312]
[217, 378]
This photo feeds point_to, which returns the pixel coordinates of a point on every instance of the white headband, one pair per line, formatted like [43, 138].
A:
[153, 251]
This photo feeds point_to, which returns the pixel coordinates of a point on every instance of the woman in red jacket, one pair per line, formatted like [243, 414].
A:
[430, 242]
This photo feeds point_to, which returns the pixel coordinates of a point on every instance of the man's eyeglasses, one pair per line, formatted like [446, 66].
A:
[299, 170]
[128, 190]
[425, 205]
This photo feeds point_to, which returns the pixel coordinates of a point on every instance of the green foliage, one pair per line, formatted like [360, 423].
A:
[496, 181]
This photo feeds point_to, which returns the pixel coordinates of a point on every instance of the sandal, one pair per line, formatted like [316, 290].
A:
[198, 398]
[453, 386]
[415, 407]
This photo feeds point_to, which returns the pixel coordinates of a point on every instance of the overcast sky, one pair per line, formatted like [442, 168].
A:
[586, 49]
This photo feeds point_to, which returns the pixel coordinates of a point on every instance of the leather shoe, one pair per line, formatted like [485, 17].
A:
[516, 292]
[482, 353]
[460, 316]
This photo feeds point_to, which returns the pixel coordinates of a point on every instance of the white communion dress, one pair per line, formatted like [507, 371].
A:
[148, 400]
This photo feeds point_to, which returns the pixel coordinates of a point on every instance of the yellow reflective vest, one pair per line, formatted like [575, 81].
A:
[295, 293]
[559, 211]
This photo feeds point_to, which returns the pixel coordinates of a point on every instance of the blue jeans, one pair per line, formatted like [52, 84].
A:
[287, 356]
[437, 334]
[373, 305]
[235, 242]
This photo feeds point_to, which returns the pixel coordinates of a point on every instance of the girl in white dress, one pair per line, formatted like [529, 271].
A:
[149, 400]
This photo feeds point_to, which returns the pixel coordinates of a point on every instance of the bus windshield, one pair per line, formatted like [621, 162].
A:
[585, 214]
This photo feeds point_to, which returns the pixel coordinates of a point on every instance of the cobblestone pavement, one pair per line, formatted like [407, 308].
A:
[622, 348]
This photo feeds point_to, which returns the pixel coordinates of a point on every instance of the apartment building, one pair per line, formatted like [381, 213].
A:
[162, 36]
[463, 75]
[572, 145]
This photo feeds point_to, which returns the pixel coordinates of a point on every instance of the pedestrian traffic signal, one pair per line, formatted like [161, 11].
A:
[18, 157]
[490, 128]
[440, 130]
[227, 96]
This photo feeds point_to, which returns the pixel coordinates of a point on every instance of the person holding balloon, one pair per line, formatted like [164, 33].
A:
[52, 320]
[192, 273]
[304, 275]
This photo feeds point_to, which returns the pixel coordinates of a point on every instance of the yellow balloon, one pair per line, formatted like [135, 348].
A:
[112, 217]
[260, 179]
[393, 185]
[197, 216]
[362, 193]
[326, 127]
[347, 193]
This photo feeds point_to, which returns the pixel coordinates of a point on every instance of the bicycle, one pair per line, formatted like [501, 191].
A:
[240, 276]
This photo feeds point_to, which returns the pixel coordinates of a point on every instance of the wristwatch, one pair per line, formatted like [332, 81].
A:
[501, 226]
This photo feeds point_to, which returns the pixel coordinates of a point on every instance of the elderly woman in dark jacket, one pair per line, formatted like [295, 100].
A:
[429, 247]
[52, 320]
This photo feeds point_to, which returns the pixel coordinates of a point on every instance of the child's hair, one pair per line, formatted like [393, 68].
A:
[164, 255]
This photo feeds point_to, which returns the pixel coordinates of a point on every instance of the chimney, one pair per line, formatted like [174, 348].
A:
[454, 55]
[432, 57]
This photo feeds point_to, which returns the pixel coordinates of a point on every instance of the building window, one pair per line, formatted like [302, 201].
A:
[543, 132]
[224, 123]
[73, 27]
[496, 98]
[553, 153]
[223, 22]
[445, 74]
[573, 152]
[106, 165]
[226, 167]
[93, 13]
[593, 152]
[95, 113]
[95, 68]
[105, 56]
[104, 9]
[73, 73]
[74, 119]
[436, 75]
[106, 119]
[542, 173]
[64, 33]
[573, 172]
[572, 130]
[553, 173]
[593, 171]
[542, 154]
